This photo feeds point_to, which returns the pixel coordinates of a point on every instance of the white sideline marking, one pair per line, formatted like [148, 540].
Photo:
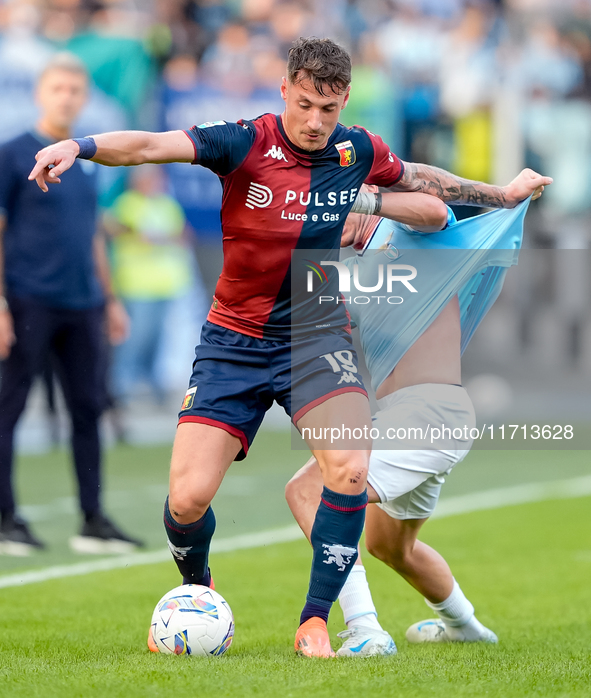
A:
[233, 486]
[467, 503]
[518, 494]
[225, 545]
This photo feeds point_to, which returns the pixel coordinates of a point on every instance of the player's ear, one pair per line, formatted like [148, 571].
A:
[347, 93]
[284, 89]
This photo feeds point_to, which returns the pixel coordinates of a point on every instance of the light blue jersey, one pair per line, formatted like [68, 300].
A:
[469, 258]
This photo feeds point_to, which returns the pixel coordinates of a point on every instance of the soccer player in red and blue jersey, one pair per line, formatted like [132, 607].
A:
[289, 182]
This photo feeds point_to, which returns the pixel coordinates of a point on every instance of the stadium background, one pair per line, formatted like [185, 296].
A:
[480, 88]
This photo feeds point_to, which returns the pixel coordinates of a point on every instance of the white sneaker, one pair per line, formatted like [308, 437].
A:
[365, 642]
[434, 630]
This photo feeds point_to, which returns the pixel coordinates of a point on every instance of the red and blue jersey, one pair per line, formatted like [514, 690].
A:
[278, 198]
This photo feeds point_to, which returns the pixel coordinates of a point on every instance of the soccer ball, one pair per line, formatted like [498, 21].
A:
[192, 619]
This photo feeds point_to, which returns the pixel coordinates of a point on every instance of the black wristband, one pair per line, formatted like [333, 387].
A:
[378, 207]
[87, 147]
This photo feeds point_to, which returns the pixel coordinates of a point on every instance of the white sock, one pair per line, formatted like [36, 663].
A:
[456, 610]
[457, 614]
[356, 602]
[369, 620]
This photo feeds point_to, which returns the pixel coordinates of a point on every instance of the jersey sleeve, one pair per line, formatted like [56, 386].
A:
[8, 179]
[221, 146]
[387, 168]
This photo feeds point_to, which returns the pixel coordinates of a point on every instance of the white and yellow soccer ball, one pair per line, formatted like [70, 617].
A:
[193, 620]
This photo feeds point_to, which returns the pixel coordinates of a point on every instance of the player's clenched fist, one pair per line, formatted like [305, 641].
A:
[525, 184]
[53, 161]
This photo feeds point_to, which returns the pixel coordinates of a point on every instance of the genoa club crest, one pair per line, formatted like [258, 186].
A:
[189, 398]
[347, 153]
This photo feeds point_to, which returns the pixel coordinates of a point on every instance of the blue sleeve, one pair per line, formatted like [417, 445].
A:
[221, 146]
[451, 217]
[8, 179]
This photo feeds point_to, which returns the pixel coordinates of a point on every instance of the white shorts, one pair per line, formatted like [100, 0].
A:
[408, 475]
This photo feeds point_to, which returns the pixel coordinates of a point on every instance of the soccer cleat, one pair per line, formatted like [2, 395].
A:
[434, 630]
[365, 642]
[152, 646]
[99, 536]
[16, 539]
[312, 639]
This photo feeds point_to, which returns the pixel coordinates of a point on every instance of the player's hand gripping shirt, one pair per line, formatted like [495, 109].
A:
[277, 198]
[470, 258]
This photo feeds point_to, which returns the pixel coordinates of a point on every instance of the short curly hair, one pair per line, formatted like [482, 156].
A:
[322, 61]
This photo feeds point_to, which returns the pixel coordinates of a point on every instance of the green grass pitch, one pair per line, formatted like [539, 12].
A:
[526, 568]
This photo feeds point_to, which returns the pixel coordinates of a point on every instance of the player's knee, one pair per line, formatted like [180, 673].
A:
[293, 493]
[299, 493]
[187, 506]
[351, 474]
[343, 469]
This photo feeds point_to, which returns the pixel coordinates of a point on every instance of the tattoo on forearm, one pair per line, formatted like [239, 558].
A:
[448, 187]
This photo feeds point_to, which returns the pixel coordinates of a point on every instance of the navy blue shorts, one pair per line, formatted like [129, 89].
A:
[236, 378]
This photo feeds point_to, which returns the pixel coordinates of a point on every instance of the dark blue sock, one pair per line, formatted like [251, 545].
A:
[315, 608]
[335, 535]
[189, 544]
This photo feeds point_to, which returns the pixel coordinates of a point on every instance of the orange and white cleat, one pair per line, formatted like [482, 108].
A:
[152, 646]
[312, 639]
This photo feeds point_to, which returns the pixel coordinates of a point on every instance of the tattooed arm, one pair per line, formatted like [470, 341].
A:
[448, 187]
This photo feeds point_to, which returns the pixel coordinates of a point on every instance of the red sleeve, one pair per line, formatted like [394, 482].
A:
[387, 168]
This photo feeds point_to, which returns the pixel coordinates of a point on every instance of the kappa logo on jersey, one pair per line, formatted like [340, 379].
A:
[347, 153]
[189, 398]
[339, 554]
[258, 195]
[276, 152]
[348, 377]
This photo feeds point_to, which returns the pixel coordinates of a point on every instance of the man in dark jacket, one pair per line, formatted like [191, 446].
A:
[54, 298]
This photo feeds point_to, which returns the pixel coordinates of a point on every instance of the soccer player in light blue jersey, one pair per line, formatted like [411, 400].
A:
[413, 337]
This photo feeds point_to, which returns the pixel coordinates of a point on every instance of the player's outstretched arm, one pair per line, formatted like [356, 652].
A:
[113, 149]
[448, 187]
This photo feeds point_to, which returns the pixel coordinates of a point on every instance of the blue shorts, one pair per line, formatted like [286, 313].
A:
[236, 378]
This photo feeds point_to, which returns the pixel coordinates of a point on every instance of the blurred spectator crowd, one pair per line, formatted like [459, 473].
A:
[481, 87]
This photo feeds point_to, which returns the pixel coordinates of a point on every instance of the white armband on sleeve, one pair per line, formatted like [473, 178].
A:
[367, 203]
